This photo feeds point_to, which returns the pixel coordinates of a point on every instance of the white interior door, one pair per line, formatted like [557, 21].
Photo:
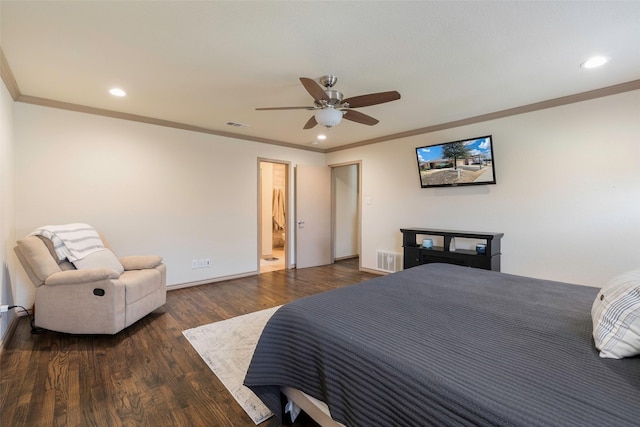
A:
[313, 216]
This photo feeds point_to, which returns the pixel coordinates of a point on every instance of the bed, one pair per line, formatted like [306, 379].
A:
[444, 345]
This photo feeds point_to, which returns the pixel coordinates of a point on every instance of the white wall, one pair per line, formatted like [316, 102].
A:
[150, 189]
[567, 195]
[567, 198]
[7, 234]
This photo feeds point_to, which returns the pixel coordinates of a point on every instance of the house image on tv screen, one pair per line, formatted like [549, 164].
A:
[465, 162]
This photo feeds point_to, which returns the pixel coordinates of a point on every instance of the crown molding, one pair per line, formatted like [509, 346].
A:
[536, 106]
[7, 77]
[12, 87]
[153, 121]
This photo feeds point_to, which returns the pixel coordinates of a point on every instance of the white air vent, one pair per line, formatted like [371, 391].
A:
[237, 125]
[389, 261]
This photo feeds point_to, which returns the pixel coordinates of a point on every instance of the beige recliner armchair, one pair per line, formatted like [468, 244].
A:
[101, 300]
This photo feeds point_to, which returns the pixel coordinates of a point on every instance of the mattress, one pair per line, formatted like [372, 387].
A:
[444, 345]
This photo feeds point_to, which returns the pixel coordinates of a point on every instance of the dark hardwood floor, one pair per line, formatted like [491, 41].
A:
[148, 374]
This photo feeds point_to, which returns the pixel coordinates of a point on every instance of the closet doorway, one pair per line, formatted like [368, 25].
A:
[273, 183]
[345, 183]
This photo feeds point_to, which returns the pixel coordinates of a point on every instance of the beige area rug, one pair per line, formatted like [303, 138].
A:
[227, 347]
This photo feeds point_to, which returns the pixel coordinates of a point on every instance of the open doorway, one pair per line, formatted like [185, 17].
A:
[272, 214]
[346, 211]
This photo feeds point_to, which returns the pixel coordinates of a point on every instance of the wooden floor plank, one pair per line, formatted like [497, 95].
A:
[148, 374]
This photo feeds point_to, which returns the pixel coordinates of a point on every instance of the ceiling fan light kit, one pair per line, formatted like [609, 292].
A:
[331, 107]
[328, 117]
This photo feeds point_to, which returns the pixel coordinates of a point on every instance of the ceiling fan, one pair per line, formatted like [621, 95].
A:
[331, 107]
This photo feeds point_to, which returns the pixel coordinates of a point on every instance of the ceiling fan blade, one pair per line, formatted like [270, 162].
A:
[372, 99]
[286, 108]
[311, 123]
[314, 89]
[358, 117]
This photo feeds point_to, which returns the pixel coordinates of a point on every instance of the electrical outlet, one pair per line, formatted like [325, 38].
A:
[207, 262]
[4, 308]
[194, 263]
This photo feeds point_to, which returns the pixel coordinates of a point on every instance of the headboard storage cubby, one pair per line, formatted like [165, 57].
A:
[457, 253]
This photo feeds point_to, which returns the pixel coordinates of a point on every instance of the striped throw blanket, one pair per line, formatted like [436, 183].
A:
[72, 241]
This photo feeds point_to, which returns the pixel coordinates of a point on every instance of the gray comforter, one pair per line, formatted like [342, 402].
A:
[445, 345]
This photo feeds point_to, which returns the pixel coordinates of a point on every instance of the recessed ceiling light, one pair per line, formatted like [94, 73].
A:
[322, 137]
[594, 62]
[314, 142]
[117, 92]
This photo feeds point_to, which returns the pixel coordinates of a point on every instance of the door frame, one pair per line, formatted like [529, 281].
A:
[358, 164]
[288, 228]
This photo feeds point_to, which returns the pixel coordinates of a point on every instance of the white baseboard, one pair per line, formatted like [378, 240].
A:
[372, 271]
[214, 280]
[10, 330]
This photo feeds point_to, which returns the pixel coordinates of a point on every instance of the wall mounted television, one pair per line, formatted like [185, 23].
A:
[457, 163]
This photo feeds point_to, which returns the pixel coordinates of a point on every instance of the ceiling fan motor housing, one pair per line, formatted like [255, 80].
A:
[335, 99]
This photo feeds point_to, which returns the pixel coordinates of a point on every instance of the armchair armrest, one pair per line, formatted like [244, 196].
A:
[140, 262]
[73, 277]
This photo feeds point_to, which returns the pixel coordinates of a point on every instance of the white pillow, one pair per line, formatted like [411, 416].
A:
[101, 259]
[616, 317]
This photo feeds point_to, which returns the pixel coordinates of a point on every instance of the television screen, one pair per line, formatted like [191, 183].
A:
[465, 162]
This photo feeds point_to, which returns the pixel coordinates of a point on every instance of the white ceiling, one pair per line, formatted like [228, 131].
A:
[205, 63]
